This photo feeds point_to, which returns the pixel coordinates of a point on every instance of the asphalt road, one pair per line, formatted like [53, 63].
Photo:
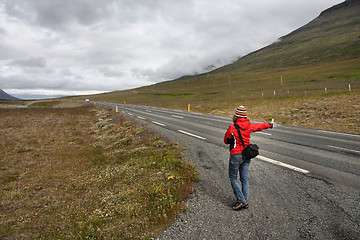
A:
[304, 185]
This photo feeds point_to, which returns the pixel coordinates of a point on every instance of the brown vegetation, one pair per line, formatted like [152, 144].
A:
[82, 173]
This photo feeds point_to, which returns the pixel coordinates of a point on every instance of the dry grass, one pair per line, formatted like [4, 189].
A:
[336, 112]
[80, 173]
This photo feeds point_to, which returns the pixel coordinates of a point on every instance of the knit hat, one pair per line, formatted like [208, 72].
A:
[241, 112]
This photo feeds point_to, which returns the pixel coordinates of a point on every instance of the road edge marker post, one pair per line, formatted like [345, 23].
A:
[188, 107]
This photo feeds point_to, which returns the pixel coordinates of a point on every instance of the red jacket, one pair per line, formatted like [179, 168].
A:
[246, 128]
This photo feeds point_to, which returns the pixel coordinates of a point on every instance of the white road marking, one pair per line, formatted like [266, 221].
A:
[350, 150]
[282, 164]
[176, 116]
[193, 135]
[346, 134]
[142, 118]
[148, 110]
[161, 124]
[130, 114]
[264, 133]
[196, 113]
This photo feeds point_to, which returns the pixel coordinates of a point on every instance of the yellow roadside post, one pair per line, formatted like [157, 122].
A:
[188, 107]
[117, 110]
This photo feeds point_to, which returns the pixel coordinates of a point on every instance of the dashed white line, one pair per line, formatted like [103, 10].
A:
[346, 134]
[142, 118]
[130, 114]
[176, 116]
[282, 164]
[264, 133]
[196, 113]
[157, 123]
[193, 135]
[345, 149]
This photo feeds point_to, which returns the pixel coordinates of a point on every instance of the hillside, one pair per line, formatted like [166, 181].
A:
[333, 36]
[5, 96]
[317, 63]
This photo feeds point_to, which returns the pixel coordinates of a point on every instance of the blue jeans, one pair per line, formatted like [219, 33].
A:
[238, 164]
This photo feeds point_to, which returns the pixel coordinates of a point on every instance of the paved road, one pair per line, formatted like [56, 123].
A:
[304, 185]
[332, 156]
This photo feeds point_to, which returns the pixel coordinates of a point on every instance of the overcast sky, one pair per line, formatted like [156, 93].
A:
[67, 47]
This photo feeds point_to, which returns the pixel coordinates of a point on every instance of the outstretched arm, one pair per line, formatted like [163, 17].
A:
[260, 126]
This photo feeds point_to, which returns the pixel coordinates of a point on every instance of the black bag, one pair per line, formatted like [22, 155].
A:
[251, 151]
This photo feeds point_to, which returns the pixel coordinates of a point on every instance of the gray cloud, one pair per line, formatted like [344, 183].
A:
[83, 45]
[56, 14]
[33, 62]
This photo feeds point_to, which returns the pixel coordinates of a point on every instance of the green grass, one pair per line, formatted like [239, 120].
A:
[8, 102]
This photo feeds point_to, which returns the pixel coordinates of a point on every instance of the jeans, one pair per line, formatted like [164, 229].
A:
[238, 164]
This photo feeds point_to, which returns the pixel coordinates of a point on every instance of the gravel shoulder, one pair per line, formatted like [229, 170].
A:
[283, 204]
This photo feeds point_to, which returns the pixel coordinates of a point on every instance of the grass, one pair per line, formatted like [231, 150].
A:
[7, 102]
[44, 104]
[84, 173]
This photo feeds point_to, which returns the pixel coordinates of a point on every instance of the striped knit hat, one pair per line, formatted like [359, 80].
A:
[241, 112]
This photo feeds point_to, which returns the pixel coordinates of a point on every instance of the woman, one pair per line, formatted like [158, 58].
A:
[236, 162]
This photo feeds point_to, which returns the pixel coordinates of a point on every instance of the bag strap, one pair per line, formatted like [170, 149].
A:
[239, 132]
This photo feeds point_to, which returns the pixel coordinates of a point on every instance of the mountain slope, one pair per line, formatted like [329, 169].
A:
[5, 96]
[333, 36]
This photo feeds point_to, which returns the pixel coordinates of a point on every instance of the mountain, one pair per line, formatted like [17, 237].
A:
[334, 35]
[321, 56]
[5, 96]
